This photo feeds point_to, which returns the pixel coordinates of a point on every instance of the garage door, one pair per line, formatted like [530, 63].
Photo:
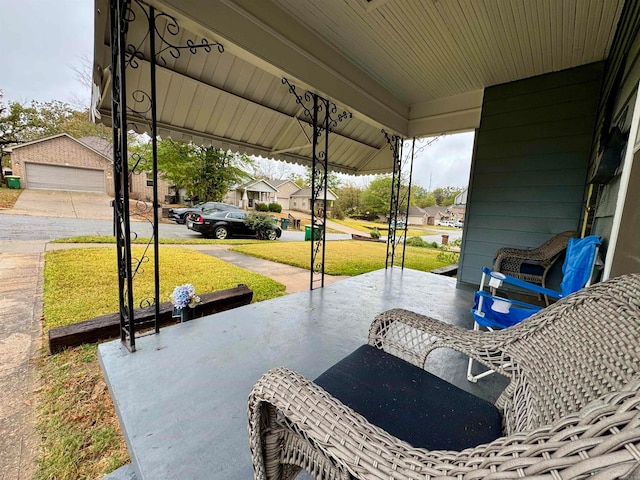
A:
[58, 177]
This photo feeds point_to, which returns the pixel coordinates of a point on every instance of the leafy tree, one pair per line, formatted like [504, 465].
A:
[349, 199]
[207, 172]
[79, 125]
[376, 198]
[446, 195]
[298, 180]
[420, 197]
[333, 180]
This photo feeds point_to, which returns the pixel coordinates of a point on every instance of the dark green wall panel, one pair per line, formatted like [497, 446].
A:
[530, 163]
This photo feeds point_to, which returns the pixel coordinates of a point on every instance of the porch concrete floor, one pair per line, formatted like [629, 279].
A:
[182, 396]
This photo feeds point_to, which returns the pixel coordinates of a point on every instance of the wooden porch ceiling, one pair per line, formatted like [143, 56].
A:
[418, 68]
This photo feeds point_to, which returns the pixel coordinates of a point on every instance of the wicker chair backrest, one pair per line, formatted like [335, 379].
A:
[571, 353]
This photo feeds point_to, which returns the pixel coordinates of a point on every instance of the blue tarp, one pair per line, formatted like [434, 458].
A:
[581, 254]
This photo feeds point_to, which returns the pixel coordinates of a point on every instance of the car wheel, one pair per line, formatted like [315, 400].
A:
[272, 235]
[221, 233]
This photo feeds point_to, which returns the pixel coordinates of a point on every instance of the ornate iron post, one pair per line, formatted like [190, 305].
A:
[321, 112]
[151, 45]
[397, 223]
[118, 10]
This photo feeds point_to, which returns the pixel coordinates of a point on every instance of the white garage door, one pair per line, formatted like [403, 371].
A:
[58, 177]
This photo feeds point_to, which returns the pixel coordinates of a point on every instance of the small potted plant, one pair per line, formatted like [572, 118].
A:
[184, 299]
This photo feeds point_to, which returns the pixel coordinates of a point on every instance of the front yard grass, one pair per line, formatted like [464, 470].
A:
[81, 438]
[367, 226]
[8, 197]
[349, 257]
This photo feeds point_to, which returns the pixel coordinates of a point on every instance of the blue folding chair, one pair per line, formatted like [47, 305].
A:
[495, 312]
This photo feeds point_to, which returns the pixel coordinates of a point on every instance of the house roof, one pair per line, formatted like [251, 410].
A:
[253, 183]
[279, 183]
[105, 147]
[416, 211]
[59, 135]
[415, 68]
[306, 193]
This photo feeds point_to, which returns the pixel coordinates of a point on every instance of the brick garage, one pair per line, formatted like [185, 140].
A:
[61, 162]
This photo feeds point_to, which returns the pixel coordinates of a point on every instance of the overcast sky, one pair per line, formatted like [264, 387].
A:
[41, 41]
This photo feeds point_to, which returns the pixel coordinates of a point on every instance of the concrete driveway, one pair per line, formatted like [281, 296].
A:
[55, 203]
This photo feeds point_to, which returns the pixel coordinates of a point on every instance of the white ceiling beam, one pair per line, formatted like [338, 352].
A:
[458, 113]
[268, 37]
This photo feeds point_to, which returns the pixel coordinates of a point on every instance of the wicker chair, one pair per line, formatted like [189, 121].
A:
[571, 408]
[532, 265]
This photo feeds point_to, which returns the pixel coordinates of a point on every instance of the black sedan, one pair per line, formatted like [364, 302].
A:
[221, 225]
[179, 215]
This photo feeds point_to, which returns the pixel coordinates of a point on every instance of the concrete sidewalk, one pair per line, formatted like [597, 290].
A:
[54, 203]
[20, 339]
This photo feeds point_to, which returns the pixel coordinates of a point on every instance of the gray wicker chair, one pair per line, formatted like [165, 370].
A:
[532, 265]
[571, 408]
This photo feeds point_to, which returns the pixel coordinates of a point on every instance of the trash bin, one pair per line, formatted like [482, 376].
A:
[13, 181]
[274, 219]
[307, 233]
[284, 223]
[445, 239]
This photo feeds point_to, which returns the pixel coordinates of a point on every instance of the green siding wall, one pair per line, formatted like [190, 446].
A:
[616, 109]
[530, 163]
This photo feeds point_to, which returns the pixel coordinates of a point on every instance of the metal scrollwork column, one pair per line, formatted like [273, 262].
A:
[152, 44]
[399, 202]
[324, 116]
[118, 9]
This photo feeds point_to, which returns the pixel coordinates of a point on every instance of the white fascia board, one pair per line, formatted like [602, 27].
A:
[263, 34]
[458, 113]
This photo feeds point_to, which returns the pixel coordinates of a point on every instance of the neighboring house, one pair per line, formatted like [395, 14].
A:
[417, 216]
[62, 162]
[247, 195]
[432, 215]
[286, 188]
[461, 198]
[301, 200]
[265, 190]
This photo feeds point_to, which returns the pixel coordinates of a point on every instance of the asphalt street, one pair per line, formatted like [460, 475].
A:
[28, 227]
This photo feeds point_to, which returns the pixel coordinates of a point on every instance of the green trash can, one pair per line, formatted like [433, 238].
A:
[307, 233]
[13, 181]
[284, 223]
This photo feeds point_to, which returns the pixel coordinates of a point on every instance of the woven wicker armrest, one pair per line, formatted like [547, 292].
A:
[292, 421]
[412, 337]
[512, 258]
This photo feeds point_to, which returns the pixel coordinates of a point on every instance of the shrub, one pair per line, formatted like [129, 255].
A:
[261, 223]
[262, 207]
[275, 207]
[419, 242]
[337, 212]
[375, 233]
[447, 256]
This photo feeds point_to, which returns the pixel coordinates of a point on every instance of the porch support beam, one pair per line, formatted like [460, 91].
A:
[324, 116]
[255, 31]
[399, 203]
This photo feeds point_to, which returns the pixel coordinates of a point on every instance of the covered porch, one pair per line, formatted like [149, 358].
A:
[543, 88]
[182, 397]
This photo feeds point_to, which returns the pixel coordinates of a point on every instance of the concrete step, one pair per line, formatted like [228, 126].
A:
[126, 472]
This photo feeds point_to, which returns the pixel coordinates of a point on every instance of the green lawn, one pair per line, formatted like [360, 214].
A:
[366, 226]
[349, 257]
[81, 438]
[8, 197]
